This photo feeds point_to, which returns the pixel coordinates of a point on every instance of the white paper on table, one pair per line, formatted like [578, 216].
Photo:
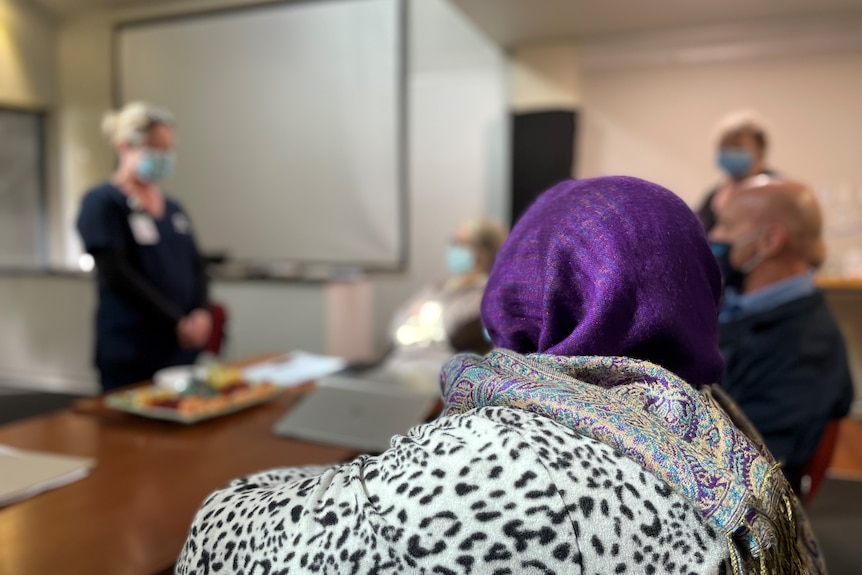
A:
[24, 474]
[294, 369]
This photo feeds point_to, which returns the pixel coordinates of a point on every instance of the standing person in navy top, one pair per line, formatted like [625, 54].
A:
[152, 310]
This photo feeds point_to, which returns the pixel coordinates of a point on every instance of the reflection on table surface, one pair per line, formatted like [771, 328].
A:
[131, 515]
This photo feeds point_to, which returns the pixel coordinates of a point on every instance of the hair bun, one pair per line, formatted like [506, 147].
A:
[130, 124]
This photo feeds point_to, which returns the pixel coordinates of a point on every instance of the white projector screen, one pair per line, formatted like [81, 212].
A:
[289, 126]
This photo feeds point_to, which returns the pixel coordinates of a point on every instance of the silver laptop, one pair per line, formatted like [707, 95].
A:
[358, 413]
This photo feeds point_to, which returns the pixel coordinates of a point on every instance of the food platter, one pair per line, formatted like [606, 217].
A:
[202, 395]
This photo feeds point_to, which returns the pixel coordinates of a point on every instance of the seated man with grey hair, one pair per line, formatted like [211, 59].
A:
[786, 364]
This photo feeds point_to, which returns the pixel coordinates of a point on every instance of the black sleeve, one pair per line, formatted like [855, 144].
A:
[200, 264]
[705, 213]
[202, 279]
[785, 393]
[114, 267]
[101, 223]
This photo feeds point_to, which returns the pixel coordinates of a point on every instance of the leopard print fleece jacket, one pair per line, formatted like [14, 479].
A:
[495, 491]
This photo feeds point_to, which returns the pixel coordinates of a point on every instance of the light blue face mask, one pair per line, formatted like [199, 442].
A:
[735, 161]
[155, 165]
[460, 259]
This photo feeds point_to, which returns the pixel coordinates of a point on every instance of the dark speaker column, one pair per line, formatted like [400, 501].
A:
[543, 152]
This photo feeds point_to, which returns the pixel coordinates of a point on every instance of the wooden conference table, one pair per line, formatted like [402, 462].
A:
[132, 513]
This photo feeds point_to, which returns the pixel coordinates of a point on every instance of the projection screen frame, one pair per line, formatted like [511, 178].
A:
[402, 115]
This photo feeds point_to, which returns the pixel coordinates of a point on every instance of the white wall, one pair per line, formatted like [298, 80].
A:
[28, 45]
[458, 143]
[85, 94]
[656, 119]
[46, 333]
[267, 317]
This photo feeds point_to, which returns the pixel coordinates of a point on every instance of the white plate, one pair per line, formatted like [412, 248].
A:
[178, 378]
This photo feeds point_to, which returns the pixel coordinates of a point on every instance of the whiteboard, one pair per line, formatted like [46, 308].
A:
[289, 126]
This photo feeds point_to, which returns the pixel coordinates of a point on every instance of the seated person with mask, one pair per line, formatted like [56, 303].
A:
[443, 318]
[786, 364]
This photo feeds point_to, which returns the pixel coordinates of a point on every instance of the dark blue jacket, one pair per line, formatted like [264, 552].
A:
[787, 369]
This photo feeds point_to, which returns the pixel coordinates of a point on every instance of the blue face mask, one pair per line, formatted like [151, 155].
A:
[733, 277]
[735, 161]
[155, 165]
[460, 259]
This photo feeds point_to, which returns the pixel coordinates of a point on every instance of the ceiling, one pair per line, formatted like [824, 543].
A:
[512, 22]
[67, 8]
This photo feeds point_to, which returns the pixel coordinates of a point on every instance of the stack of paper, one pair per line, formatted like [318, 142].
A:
[294, 369]
[24, 474]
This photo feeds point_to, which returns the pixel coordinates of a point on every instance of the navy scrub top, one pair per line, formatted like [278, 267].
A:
[132, 344]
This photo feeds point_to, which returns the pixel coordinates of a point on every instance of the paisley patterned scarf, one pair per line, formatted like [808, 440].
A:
[671, 429]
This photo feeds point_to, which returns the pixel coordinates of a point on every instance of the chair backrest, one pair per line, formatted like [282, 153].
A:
[815, 470]
[219, 332]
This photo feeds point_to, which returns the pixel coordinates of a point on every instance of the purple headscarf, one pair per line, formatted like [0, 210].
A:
[612, 266]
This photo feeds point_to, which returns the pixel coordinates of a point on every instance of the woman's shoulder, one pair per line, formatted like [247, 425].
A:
[103, 200]
[104, 193]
